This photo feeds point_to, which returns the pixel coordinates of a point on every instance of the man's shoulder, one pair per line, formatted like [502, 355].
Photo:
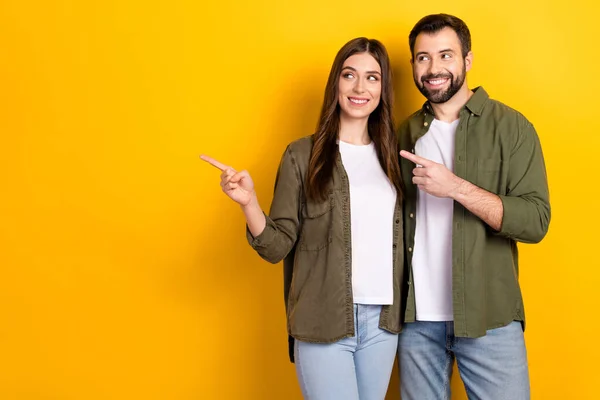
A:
[414, 119]
[501, 111]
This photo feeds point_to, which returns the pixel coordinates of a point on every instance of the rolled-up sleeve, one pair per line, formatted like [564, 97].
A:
[526, 203]
[283, 222]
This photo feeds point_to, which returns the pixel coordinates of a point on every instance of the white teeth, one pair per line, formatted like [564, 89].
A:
[436, 82]
[358, 101]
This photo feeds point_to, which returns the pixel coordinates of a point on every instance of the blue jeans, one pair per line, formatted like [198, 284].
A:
[349, 369]
[492, 367]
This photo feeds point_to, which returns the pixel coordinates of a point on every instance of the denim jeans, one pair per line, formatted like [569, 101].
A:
[492, 367]
[349, 369]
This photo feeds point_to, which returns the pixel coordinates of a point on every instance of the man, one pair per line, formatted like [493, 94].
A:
[476, 185]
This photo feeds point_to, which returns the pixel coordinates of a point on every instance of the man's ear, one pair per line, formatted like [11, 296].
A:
[469, 61]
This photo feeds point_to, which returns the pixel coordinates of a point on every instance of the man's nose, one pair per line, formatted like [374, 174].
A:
[434, 67]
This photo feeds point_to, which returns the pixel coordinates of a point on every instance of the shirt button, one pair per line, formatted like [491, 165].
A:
[425, 123]
[411, 215]
[472, 114]
[410, 249]
[409, 283]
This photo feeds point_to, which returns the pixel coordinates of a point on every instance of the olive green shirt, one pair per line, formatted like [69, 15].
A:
[497, 149]
[314, 241]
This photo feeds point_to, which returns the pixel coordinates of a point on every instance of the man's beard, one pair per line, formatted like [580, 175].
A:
[441, 96]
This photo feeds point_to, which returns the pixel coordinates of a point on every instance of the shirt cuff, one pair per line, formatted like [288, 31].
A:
[513, 215]
[265, 238]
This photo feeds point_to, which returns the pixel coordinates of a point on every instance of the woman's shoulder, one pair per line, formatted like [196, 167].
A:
[298, 152]
[302, 146]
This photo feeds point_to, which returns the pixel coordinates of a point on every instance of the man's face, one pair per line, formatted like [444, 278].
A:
[439, 69]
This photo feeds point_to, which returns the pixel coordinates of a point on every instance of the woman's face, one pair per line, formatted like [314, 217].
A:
[359, 86]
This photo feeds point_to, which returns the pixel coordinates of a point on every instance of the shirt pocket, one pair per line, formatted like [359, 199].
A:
[488, 174]
[317, 221]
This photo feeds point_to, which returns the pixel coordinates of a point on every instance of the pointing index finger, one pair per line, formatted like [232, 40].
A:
[415, 158]
[213, 162]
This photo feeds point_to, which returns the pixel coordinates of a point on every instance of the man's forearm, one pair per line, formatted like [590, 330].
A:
[485, 205]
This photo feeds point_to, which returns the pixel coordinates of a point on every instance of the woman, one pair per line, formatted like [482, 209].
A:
[336, 222]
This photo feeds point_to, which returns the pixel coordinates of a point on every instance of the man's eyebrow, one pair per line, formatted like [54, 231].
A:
[441, 51]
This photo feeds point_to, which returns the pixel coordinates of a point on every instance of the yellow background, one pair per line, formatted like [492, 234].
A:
[124, 271]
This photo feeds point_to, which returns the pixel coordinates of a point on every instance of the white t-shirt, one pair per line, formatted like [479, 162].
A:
[372, 203]
[432, 253]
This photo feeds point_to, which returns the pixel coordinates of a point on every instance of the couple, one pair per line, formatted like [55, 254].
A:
[411, 251]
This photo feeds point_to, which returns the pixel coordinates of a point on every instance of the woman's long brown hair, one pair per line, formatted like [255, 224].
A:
[380, 124]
